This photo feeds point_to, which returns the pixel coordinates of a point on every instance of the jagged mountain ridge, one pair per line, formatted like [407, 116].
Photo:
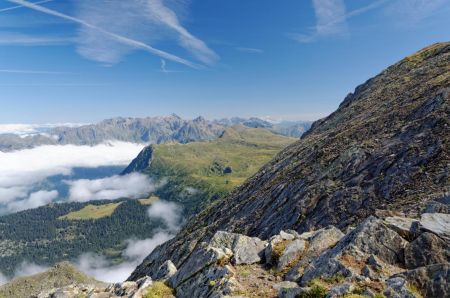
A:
[386, 147]
[149, 130]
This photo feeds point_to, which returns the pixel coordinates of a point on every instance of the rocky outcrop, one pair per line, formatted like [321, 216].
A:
[386, 147]
[427, 249]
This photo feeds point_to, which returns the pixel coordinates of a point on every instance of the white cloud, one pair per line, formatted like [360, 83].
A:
[134, 185]
[331, 19]
[20, 6]
[101, 269]
[15, 39]
[104, 45]
[168, 212]
[24, 269]
[249, 50]
[28, 71]
[22, 169]
[32, 129]
[159, 13]
[36, 199]
[27, 269]
[411, 11]
[3, 279]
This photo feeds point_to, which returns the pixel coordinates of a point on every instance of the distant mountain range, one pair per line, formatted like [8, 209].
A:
[149, 130]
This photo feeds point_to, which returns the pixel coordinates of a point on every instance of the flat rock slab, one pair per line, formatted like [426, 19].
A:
[438, 223]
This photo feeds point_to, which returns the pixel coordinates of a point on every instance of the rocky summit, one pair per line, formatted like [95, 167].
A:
[384, 153]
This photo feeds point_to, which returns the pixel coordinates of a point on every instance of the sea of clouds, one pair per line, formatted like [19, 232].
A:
[23, 170]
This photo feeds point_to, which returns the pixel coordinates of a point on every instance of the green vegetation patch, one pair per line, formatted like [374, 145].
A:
[159, 290]
[198, 173]
[149, 201]
[91, 212]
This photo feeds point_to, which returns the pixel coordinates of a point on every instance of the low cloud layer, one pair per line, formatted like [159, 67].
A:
[23, 170]
[101, 269]
[136, 250]
[133, 186]
[24, 269]
[168, 212]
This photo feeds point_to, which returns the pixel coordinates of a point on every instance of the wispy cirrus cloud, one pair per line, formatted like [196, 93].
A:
[20, 6]
[332, 15]
[413, 11]
[249, 50]
[18, 39]
[103, 45]
[330, 21]
[131, 25]
[38, 72]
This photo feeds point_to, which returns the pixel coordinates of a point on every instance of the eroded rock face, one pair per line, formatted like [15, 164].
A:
[432, 280]
[427, 249]
[351, 254]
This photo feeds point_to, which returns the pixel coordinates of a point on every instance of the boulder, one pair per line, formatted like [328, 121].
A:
[197, 262]
[437, 223]
[402, 225]
[427, 249]
[397, 287]
[432, 280]
[340, 290]
[291, 254]
[165, 271]
[352, 253]
[213, 281]
[246, 250]
[318, 241]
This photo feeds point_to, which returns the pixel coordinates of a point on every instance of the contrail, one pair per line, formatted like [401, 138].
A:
[20, 6]
[119, 38]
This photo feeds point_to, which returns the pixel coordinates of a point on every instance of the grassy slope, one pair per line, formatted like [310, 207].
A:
[195, 172]
[91, 212]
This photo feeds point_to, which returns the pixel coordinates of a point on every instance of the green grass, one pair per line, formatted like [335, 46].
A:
[205, 166]
[159, 290]
[91, 212]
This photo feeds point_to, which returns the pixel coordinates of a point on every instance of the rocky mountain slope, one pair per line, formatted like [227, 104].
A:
[198, 173]
[387, 147]
[149, 130]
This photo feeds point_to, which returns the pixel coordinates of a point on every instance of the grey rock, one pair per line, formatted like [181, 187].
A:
[291, 292]
[438, 223]
[246, 250]
[318, 242]
[397, 288]
[287, 236]
[351, 253]
[213, 281]
[199, 260]
[293, 251]
[427, 249]
[285, 285]
[340, 290]
[432, 280]
[165, 271]
[401, 225]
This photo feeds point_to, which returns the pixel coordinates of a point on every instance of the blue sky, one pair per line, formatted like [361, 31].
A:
[86, 60]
